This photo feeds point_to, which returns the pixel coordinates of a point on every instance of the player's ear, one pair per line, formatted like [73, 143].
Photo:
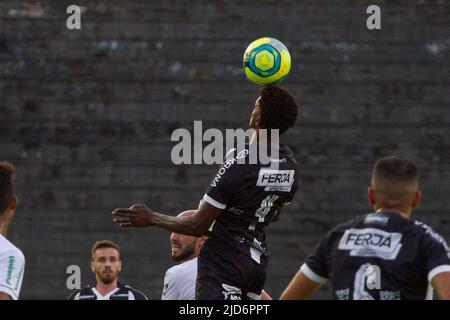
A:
[371, 195]
[416, 199]
[92, 265]
[254, 119]
[120, 265]
[201, 241]
[258, 121]
[13, 203]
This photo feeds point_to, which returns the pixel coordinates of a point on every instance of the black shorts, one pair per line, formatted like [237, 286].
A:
[227, 274]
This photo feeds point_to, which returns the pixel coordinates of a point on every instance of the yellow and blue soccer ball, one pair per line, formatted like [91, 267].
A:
[266, 61]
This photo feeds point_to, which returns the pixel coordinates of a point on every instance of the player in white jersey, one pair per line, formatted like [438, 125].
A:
[179, 282]
[12, 260]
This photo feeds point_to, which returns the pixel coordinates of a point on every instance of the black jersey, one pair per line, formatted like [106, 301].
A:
[380, 256]
[122, 292]
[252, 196]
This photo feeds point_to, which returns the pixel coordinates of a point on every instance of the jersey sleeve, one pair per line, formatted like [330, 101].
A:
[138, 295]
[170, 289]
[221, 189]
[436, 255]
[12, 265]
[315, 266]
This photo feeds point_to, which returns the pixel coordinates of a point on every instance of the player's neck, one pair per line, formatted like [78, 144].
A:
[4, 227]
[104, 288]
[404, 213]
[5, 221]
[188, 259]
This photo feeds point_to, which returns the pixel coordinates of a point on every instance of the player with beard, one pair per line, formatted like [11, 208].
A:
[179, 282]
[106, 265]
[12, 260]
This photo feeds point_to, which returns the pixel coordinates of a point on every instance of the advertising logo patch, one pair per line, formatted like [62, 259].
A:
[11, 260]
[371, 242]
[275, 180]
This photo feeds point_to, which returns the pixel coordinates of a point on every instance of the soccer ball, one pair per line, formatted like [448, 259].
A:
[266, 61]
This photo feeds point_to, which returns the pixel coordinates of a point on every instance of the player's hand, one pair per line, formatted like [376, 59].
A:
[138, 216]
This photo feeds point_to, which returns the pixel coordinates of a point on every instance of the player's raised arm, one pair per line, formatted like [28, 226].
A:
[312, 275]
[441, 283]
[300, 288]
[140, 216]
[4, 296]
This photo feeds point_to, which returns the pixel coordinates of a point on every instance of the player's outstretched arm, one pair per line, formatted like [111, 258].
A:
[140, 216]
[441, 283]
[300, 288]
[265, 296]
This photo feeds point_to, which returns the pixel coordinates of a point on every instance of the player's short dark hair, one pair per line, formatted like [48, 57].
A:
[104, 244]
[396, 169]
[7, 181]
[279, 108]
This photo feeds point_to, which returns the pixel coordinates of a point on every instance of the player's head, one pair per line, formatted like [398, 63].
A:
[106, 263]
[185, 247]
[275, 108]
[394, 184]
[8, 200]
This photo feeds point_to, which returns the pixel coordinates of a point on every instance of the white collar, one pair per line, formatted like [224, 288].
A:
[105, 297]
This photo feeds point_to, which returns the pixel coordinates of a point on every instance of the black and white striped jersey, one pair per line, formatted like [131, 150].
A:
[122, 292]
[380, 256]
